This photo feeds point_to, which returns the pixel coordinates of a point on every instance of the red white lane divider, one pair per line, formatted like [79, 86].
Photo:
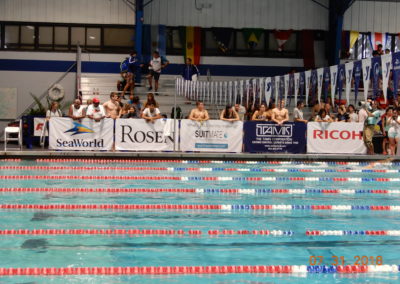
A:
[198, 270]
[227, 207]
[126, 161]
[200, 178]
[175, 169]
[248, 191]
[166, 232]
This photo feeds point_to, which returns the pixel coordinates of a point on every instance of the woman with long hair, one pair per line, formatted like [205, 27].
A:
[229, 114]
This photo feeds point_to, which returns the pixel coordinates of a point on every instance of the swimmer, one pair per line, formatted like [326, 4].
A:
[379, 163]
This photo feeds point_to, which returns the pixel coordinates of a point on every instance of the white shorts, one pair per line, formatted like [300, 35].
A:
[393, 133]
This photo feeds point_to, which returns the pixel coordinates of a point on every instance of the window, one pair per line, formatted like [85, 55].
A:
[61, 38]
[28, 35]
[93, 37]
[11, 37]
[77, 36]
[45, 37]
[174, 42]
[122, 37]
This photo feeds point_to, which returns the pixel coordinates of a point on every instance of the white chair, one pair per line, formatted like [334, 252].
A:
[13, 130]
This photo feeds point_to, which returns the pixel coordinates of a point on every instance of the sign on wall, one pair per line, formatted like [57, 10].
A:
[139, 135]
[87, 134]
[335, 138]
[273, 138]
[211, 136]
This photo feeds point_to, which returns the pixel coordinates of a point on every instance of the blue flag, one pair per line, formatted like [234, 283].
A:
[314, 83]
[396, 72]
[376, 73]
[302, 82]
[325, 86]
[357, 77]
[340, 79]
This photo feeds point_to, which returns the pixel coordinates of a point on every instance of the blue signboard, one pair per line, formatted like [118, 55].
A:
[270, 137]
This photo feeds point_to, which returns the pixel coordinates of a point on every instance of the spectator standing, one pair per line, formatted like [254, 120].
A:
[260, 114]
[190, 70]
[77, 111]
[96, 111]
[151, 113]
[156, 64]
[241, 111]
[199, 113]
[353, 116]
[229, 114]
[112, 107]
[394, 132]
[298, 113]
[369, 126]
[133, 64]
[54, 111]
[280, 114]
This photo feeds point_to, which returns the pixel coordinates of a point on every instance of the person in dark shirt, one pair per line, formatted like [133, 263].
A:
[190, 70]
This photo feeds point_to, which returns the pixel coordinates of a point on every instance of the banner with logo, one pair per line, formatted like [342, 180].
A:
[140, 135]
[396, 72]
[67, 134]
[334, 72]
[38, 125]
[272, 138]
[268, 90]
[335, 138]
[376, 74]
[357, 77]
[366, 70]
[349, 77]
[386, 67]
[211, 136]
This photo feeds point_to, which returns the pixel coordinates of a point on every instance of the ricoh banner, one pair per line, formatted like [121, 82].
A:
[139, 135]
[335, 138]
[211, 136]
[67, 134]
[273, 138]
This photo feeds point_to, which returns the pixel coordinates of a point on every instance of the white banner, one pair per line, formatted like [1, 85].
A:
[268, 90]
[296, 87]
[334, 71]
[348, 67]
[286, 80]
[277, 89]
[254, 90]
[38, 125]
[320, 80]
[335, 138]
[247, 93]
[230, 93]
[140, 135]
[308, 84]
[366, 70]
[235, 91]
[211, 136]
[66, 134]
[386, 67]
[241, 94]
[260, 90]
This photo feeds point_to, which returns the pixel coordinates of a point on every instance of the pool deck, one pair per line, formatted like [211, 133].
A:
[36, 153]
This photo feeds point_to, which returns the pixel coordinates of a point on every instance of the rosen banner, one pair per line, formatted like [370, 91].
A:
[270, 137]
[211, 136]
[335, 138]
[67, 134]
[139, 135]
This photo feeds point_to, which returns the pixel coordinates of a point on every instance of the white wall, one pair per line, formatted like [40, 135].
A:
[267, 14]
[68, 11]
[373, 16]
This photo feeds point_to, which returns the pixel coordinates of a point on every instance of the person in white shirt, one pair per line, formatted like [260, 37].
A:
[323, 116]
[156, 64]
[54, 111]
[77, 111]
[96, 111]
[151, 113]
[298, 113]
[353, 116]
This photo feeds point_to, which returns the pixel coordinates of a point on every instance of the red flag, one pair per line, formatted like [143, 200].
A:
[282, 37]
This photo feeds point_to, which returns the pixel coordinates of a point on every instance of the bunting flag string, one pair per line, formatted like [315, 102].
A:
[366, 70]
[386, 67]
[349, 77]
[320, 78]
[308, 83]
[268, 90]
[296, 87]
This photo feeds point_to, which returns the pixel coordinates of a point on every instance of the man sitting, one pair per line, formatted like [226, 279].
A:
[77, 111]
[151, 113]
[96, 111]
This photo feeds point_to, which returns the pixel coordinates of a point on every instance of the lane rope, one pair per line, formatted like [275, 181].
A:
[227, 269]
[176, 178]
[176, 169]
[226, 207]
[248, 191]
[125, 161]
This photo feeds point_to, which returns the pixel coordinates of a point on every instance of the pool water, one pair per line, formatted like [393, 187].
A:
[287, 243]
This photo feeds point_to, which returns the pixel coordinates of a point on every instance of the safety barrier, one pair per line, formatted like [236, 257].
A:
[175, 169]
[199, 178]
[254, 191]
[181, 270]
[224, 207]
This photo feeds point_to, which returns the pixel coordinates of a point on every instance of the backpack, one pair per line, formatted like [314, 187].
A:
[124, 66]
[179, 114]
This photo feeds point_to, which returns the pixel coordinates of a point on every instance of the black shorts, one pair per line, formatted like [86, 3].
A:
[155, 74]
